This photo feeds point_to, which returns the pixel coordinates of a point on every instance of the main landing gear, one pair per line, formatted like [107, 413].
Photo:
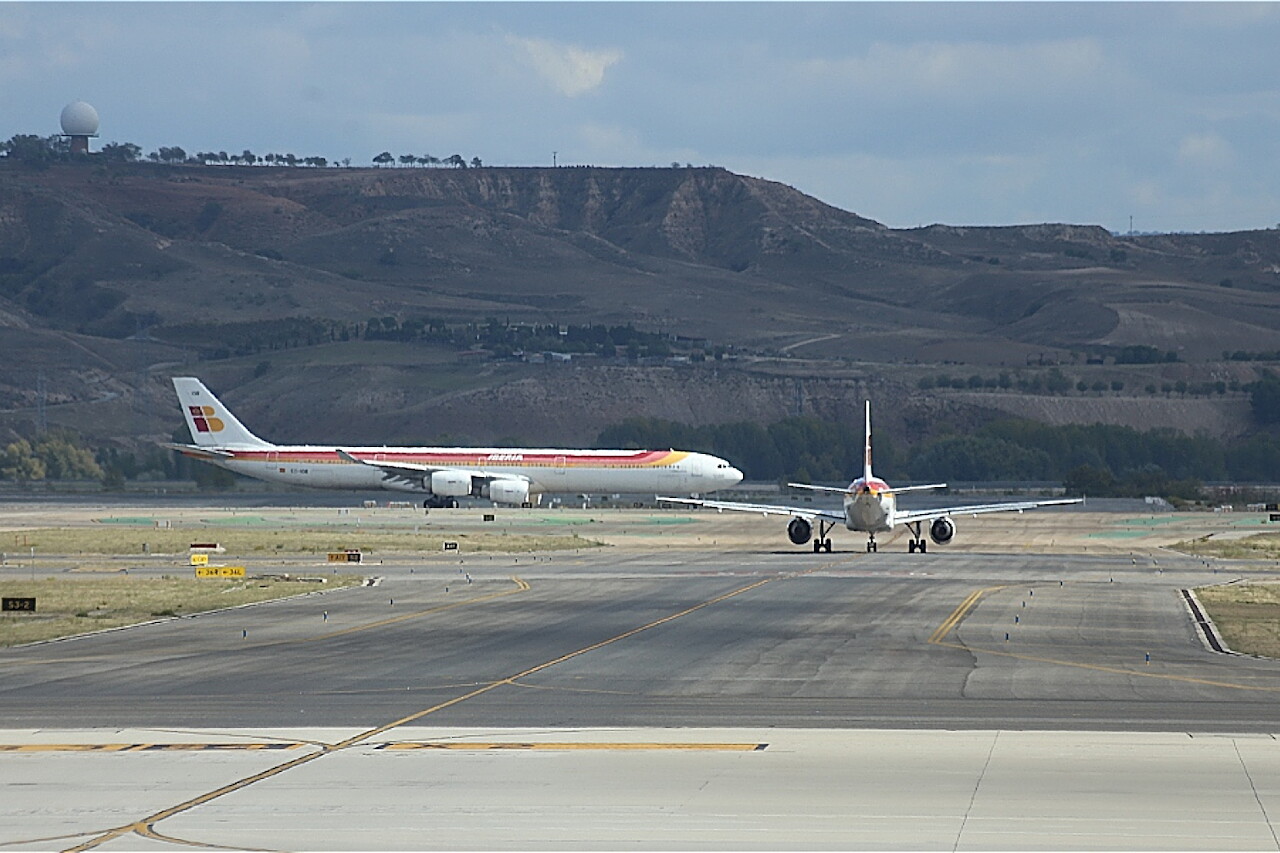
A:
[917, 541]
[822, 542]
[436, 502]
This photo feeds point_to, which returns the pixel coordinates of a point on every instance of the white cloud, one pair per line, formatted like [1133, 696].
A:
[1205, 150]
[617, 145]
[572, 71]
[969, 70]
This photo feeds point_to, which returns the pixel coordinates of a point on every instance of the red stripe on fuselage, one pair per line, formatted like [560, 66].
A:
[473, 459]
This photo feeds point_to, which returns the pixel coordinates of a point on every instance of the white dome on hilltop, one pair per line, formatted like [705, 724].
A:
[79, 119]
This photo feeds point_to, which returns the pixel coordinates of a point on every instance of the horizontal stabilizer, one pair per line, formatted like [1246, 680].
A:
[197, 452]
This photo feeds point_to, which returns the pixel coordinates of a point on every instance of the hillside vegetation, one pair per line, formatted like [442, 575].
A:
[395, 304]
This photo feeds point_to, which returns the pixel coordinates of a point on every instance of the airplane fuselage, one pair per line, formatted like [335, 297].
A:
[869, 506]
[549, 471]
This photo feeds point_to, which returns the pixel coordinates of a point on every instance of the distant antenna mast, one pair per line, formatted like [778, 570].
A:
[553, 158]
[42, 393]
[1130, 225]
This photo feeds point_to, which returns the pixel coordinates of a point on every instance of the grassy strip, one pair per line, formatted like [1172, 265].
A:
[1259, 546]
[74, 606]
[109, 539]
[1246, 615]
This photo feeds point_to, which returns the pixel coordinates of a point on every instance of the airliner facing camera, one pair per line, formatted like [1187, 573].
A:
[507, 475]
[870, 506]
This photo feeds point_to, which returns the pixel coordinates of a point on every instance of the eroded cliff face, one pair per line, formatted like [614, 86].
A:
[189, 256]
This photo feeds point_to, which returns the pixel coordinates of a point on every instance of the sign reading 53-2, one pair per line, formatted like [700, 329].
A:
[18, 605]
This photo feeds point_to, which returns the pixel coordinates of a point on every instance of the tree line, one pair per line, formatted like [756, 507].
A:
[34, 150]
[1098, 460]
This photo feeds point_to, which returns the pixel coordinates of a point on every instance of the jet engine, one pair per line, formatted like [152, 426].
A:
[942, 531]
[449, 483]
[509, 491]
[799, 530]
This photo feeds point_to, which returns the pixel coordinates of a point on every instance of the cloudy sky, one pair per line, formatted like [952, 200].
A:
[908, 113]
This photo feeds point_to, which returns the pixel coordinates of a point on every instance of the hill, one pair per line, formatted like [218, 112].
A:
[113, 276]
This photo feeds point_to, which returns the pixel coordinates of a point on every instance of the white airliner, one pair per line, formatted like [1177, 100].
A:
[514, 475]
[870, 506]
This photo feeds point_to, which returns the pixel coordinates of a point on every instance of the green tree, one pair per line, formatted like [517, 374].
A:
[122, 152]
[1056, 382]
[384, 158]
[1264, 399]
[65, 459]
[20, 463]
[33, 150]
[212, 478]
[1086, 480]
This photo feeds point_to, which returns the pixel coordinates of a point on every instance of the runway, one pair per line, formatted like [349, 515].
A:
[636, 698]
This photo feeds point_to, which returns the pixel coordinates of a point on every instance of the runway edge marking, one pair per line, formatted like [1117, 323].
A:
[938, 639]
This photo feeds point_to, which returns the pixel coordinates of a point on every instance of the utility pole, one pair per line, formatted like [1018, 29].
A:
[553, 158]
[42, 395]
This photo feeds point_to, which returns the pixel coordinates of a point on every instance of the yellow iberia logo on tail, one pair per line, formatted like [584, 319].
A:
[204, 419]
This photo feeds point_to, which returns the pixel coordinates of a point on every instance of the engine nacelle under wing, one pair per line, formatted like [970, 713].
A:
[509, 491]
[799, 530]
[942, 531]
[448, 483]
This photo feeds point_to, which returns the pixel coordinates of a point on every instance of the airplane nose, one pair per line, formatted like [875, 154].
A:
[731, 476]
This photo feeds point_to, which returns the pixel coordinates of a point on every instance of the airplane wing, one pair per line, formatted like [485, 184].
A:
[912, 515]
[897, 490]
[763, 509]
[412, 471]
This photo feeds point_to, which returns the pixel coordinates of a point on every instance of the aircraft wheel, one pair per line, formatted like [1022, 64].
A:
[923, 546]
[827, 545]
[911, 546]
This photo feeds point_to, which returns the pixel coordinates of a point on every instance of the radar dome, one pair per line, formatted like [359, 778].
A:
[79, 119]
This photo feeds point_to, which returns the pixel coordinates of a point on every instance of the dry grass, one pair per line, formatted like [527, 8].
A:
[1259, 546]
[74, 606]
[1246, 615]
[112, 540]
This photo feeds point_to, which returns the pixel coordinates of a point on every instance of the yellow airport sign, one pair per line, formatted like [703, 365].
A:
[199, 559]
[220, 571]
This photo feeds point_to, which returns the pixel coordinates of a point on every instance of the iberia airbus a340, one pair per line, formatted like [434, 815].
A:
[508, 475]
[870, 506]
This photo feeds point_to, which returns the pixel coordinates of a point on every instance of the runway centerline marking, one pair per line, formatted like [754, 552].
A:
[145, 826]
[957, 616]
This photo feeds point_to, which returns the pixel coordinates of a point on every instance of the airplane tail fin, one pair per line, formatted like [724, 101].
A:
[866, 453]
[210, 422]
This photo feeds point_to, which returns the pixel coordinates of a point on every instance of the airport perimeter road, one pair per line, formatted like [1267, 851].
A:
[690, 638]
